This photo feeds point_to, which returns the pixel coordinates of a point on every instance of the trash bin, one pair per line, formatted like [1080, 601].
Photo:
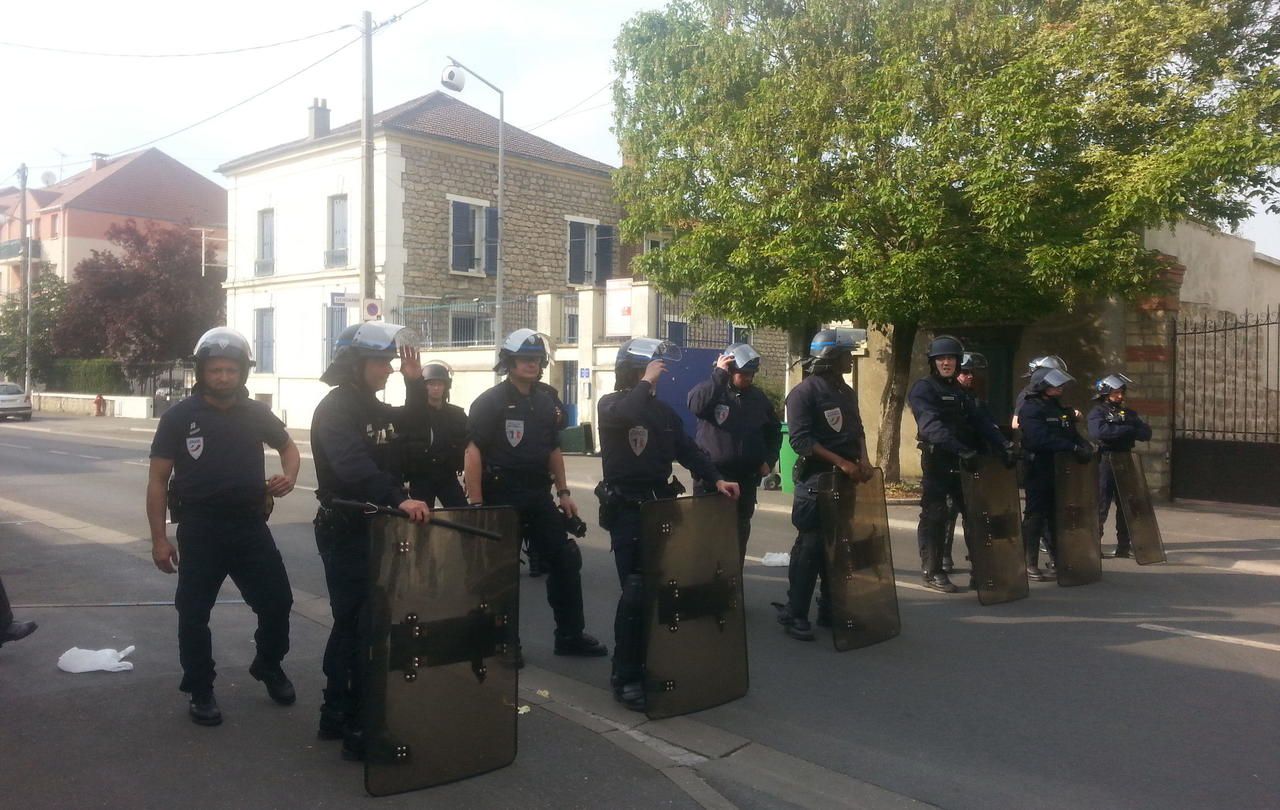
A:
[786, 462]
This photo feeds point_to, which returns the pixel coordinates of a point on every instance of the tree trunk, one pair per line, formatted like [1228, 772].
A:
[894, 397]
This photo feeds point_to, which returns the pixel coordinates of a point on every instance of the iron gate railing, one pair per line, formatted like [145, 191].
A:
[677, 324]
[463, 324]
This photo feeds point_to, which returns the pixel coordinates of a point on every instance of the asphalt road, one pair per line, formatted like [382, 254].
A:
[1074, 697]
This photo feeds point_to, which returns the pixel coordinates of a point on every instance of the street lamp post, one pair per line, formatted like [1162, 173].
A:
[455, 81]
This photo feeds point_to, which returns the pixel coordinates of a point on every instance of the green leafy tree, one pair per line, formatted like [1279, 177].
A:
[48, 296]
[144, 306]
[923, 163]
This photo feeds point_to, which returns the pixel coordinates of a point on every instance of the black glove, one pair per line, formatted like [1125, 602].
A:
[968, 460]
[1009, 457]
[1083, 453]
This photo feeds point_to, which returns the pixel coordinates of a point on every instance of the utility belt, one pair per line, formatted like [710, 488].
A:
[508, 478]
[180, 510]
[616, 497]
[807, 466]
[337, 520]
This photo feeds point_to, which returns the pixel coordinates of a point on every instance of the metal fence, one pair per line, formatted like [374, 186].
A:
[677, 324]
[1228, 377]
[569, 334]
[462, 324]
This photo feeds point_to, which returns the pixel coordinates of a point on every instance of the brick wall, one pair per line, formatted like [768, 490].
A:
[1149, 361]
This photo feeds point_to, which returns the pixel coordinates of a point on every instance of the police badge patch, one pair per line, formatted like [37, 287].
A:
[722, 413]
[195, 446]
[638, 436]
[515, 431]
[834, 418]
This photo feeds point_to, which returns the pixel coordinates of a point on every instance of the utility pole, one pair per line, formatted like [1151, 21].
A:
[366, 164]
[26, 270]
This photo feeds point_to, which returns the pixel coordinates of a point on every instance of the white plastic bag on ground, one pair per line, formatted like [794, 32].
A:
[776, 559]
[78, 660]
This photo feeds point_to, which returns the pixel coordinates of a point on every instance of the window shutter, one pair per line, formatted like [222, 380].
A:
[491, 241]
[462, 255]
[604, 254]
[577, 253]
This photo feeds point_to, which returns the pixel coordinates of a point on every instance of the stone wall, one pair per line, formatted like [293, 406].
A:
[535, 237]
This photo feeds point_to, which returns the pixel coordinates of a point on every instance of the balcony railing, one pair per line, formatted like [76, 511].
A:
[12, 249]
[335, 258]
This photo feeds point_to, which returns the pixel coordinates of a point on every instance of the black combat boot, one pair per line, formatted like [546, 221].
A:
[935, 578]
[278, 684]
[1032, 528]
[204, 709]
[16, 631]
[581, 645]
[1123, 552]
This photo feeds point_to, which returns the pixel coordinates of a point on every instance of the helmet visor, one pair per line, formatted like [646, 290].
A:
[382, 337]
[1056, 378]
[745, 357]
[1116, 381]
[223, 341]
[648, 349]
[972, 361]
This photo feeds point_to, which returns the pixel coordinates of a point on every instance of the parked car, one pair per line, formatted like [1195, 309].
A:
[14, 402]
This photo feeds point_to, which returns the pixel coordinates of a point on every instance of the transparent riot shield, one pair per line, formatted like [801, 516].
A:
[993, 532]
[440, 698]
[1075, 520]
[1135, 502]
[855, 529]
[695, 631]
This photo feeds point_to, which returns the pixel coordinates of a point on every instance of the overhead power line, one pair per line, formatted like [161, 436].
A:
[223, 52]
[569, 110]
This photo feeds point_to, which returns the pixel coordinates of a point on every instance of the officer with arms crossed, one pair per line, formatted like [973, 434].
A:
[737, 428]
[1048, 427]
[512, 459]
[825, 430]
[952, 431]
[353, 438]
[1116, 427]
[436, 441]
[211, 444]
[640, 437]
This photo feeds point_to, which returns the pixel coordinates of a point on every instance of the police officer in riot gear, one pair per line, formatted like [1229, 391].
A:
[825, 430]
[435, 439]
[512, 459]
[966, 378]
[1034, 365]
[211, 445]
[640, 437]
[737, 428]
[354, 440]
[952, 431]
[1116, 427]
[1048, 427]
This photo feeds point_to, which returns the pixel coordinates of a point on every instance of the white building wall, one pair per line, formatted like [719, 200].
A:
[1224, 271]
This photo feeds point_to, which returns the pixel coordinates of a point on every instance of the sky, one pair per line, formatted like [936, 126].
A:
[552, 59]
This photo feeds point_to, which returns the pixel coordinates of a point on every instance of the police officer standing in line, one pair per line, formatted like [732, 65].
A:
[737, 428]
[512, 459]
[1116, 428]
[1034, 365]
[211, 445]
[952, 431]
[436, 440]
[825, 430]
[1048, 427]
[11, 630]
[353, 438]
[640, 437]
[966, 377]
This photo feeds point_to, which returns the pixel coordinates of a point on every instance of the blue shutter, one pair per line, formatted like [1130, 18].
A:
[604, 254]
[463, 239]
[491, 241]
[577, 253]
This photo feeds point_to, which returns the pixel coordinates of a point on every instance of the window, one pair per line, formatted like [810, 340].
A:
[335, 254]
[35, 228]
[741, 334]
[470, 329]
[265, 264]
[678, 332]
[473, 237]
[335, 320]
[590, 253]
[53, 226]
[264, 341]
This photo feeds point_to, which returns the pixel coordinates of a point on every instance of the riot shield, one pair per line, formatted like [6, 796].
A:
[993, 532]
[855, 529]
[1075, 520]
[1135, 502]
[695, 630]
[440, 701]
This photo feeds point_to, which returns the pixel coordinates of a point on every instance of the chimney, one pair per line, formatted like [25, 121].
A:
[99, 160]
[318, 120]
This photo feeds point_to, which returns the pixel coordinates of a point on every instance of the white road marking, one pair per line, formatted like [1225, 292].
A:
[58, 453]
[146, 464]
[143, 430]
[93, 458]
[1243, 642]
[15, 446]
[29, 427]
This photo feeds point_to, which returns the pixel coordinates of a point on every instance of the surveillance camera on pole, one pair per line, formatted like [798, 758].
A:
[453, 78]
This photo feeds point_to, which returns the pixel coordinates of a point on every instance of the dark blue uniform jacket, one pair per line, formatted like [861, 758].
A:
[1117, 426]
[351, 437]
[823, 410]
[1047, 427]
[514, 431]
[948, 417]
[738, 429]
[640, 437]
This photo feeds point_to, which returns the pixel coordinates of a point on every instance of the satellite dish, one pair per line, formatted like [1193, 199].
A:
[49, 178]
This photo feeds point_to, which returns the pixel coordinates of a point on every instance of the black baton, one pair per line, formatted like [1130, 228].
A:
[376, 509]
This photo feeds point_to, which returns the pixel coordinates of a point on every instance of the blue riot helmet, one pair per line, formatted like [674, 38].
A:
[1046, 378]
[373, 340]
[829, 344]
[1109, 383]
[972, 361]
[639, 352]
[223, 341]
[528, 343]
[745, 358]
[1047, 361]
